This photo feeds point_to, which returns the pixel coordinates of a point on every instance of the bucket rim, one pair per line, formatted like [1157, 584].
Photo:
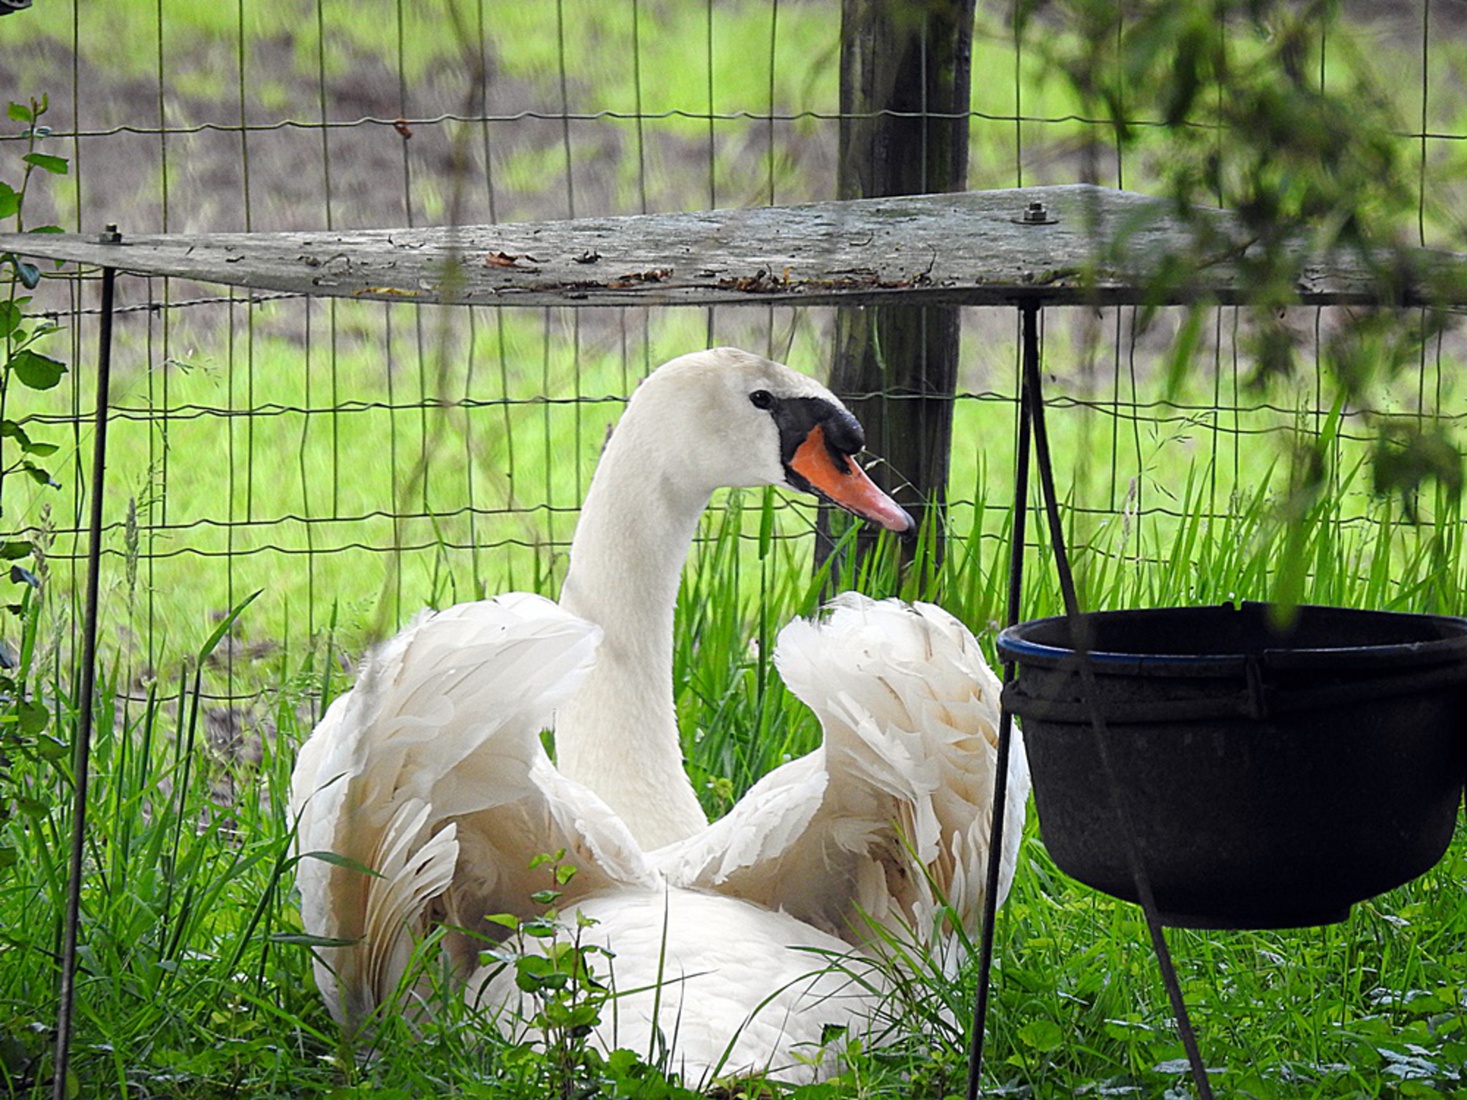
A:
[1450, 646]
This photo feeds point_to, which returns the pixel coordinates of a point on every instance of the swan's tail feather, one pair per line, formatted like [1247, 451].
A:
[444, 721]
[911, 710]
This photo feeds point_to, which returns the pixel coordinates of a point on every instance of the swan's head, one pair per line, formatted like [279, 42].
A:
[735, 419]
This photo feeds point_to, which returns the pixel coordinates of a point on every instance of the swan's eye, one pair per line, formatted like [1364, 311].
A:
[761, 399]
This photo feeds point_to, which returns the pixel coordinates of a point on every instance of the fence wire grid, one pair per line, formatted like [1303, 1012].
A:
[354, 461]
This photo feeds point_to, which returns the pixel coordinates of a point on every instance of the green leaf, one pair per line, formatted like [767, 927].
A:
[51, 748]
[20, 112]
[766, 524]
[540, 928]
[10, 318]
[36, 371]
[534, 974]
[305, 939]
[38, 475]
[339, 861]
[47, 163]
[9, 429]
[580, 1017]
[225, 624]
[520, 1055]
[9, 201]
[33, 717]
[1042, 1035]
[1180, 361]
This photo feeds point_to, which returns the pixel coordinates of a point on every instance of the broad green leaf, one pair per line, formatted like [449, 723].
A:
[20, 112]
[36, 371]
[39, 475]
[15, 549]
[9, 201]
[520, 1055]
[9, 429]
[10, 318]
[51, 748]
[540, 928]
[533, 974]
[1042, 1035]
[47, 163]
[33, 717]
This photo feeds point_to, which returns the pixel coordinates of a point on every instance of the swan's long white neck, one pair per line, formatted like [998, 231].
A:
[618, 735]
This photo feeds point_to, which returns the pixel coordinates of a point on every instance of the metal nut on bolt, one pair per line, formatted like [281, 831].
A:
[1036, 214]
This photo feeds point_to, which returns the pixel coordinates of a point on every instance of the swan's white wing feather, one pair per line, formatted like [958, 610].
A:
[763, 828]
[431, 774]
[891, 816]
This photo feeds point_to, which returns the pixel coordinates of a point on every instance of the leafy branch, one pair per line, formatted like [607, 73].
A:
[1308, 159]
[24, 717]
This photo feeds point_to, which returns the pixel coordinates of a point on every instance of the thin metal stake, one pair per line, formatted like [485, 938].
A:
[85, 701]
[1005, 749]
[1031, 421]
[1139, 876]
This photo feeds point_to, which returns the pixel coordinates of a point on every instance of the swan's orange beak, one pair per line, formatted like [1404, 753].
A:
[837, 477]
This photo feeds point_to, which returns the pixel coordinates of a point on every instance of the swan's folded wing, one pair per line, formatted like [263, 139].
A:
[889, 821]
[425, 792]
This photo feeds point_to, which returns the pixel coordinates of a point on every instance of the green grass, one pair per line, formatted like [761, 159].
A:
[190, 985]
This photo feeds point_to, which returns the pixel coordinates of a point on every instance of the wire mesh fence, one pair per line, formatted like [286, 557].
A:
[356, 460]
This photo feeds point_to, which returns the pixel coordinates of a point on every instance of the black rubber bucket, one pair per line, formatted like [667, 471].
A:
[1271, 776]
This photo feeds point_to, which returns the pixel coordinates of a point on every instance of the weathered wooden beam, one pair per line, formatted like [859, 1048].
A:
[1092, 245]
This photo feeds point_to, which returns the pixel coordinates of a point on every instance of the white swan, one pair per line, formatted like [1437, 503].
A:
[431, 773]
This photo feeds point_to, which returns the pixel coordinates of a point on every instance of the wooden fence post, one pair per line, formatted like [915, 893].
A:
[904, 92]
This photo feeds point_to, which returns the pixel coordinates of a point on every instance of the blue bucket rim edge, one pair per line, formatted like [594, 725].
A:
[1013, 646]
